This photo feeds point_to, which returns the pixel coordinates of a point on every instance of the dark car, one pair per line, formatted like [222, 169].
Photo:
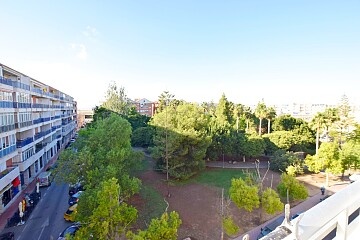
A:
[74, 198]
[7, 236]
[70, 231]
[75, 188]
[271, 227]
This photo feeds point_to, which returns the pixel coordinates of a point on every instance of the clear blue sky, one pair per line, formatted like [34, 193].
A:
[279, 51]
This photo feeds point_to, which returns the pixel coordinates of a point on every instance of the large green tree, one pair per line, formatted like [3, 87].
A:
[110, 216]
[244, 195]
[261, 113]
[116, 100]
[317, 123]
[163, 228]
[328, 159]
[270, 115]
[181, 138]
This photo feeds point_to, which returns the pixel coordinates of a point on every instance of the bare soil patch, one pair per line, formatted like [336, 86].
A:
[199, 206]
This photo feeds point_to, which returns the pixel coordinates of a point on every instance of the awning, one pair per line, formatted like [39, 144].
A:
[16, 182]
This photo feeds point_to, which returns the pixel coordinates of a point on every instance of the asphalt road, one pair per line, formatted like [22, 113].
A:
[46, 220]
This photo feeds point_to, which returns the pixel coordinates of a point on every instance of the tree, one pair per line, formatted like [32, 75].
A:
[270, 114]
[282, 159]
[184, 128]
[110, 216]
[261, 113]
[284, 123]
[317, 123]
[253, 146]
[163, 228]
[166, 99]
[142, 137]
[116, 100]
[243, 195]
[328, 159]
[271, 202]
[290, 185]
[248, 114]
[350, 155]
[282, 139]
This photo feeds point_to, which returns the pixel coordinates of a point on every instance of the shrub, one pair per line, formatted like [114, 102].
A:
[230, 227]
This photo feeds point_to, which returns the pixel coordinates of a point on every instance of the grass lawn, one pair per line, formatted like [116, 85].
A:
[154, 205]
[217, 177]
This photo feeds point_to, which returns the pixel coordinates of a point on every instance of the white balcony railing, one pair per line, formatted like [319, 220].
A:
[6, 179]
[335, 218]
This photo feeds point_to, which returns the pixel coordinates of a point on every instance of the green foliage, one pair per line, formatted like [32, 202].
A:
[243, 195]
[328, 158]
[350, 155]
[271, 202]
[116, 100]
[164, 228]
[136, 119]
[281, 160]
[254, 146]
[181, 137]
[230, 227]
[285, 123]
[297, 191]
[270, 147]
[261, 113]
[110, 217]
[282, 139]
[142, 137]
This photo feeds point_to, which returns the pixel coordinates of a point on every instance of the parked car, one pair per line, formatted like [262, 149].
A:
[75, 188]
[271, 227]
[74, 198]
[69, 231]
[7, 236]
[69, 214]
[44, 179]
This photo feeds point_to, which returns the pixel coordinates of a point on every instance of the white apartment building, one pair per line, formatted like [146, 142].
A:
[36, 121]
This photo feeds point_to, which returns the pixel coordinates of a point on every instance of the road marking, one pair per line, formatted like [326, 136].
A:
[45, 194]
[24, 228]
[43, 226]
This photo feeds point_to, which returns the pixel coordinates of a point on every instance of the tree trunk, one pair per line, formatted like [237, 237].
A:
[268, 126]
[247, 125]
[260, 127]
[317, 140]
[327, 178]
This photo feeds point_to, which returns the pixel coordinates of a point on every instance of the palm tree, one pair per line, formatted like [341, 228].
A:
[248, 115]
[317, 123]
[261, 113]
[271, 114]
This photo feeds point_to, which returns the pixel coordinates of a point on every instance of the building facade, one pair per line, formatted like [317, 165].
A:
[84, 117]
[36, 121]
[145, 107]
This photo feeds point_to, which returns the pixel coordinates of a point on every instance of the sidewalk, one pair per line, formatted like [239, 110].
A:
[14, 205]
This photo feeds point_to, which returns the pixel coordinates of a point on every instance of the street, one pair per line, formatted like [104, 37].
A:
[46, 221]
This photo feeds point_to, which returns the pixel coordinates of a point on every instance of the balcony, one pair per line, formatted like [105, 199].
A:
[24, 142]
[6, 81]
[21, 105]
[7, 128]
[7, 150]
[335, 218]
[23, 124]
[8, 175]
[6, 104]
[21, 85]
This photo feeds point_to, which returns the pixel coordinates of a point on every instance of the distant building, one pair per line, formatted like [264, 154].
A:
[145, 107]
[84, 117]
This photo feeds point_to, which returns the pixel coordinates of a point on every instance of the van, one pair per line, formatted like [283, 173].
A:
[44, 179]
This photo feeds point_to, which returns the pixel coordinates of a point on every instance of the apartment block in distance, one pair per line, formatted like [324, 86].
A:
[145, 107]
[36, 121]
